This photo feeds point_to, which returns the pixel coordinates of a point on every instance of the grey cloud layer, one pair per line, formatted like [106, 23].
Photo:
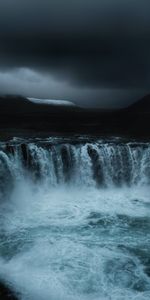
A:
[88, 44]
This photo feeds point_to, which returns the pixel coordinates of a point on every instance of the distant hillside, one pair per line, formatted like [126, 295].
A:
[18, 105]
[19, 113]
[140, 106]
[19, 116]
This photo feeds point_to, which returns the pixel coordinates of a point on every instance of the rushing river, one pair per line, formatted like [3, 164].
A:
[75, 219]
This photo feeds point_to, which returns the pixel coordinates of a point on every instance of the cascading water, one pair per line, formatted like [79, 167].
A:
[75, 219]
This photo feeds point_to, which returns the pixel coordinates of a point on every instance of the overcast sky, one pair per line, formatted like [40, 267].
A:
[92, 52]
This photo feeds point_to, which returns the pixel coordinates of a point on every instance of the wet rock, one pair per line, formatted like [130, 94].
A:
[6, 293]
[67, 162]
[96, 165]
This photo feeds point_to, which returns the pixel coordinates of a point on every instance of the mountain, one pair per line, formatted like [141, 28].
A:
[20, 116]
[13, 105]
[140, 106]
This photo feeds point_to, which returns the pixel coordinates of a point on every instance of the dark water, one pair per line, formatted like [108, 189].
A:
[75, 219]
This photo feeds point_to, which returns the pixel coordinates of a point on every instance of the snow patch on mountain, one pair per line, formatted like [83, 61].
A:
[51, 102]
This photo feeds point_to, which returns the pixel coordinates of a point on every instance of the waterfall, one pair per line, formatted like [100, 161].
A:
[75, 219]
[97, 163]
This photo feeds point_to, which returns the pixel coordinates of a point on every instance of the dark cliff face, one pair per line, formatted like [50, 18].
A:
[19, 116]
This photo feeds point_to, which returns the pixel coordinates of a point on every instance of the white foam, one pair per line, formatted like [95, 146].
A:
[60, 256]
[73, 241]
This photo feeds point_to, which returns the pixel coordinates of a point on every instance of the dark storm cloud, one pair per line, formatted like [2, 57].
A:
[74, 16]
[88, 44]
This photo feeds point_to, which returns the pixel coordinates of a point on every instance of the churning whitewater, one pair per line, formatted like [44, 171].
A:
[75, 219]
